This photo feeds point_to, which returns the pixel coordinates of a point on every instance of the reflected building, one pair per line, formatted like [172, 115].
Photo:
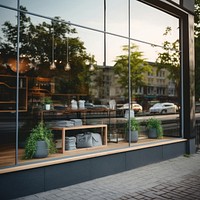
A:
[158, 86]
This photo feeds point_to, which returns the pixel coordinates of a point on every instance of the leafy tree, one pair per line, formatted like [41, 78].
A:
[170, 60]
[36, 45]
[138, 66]
[9, 42]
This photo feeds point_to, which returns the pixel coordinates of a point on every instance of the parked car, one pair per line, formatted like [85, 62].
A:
[163, 108]
[134, 106]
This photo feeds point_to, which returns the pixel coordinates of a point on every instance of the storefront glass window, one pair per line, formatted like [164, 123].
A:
[67, 53]
[7, 87]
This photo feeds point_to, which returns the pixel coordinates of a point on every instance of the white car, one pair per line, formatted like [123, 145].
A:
[163, 108]
[134, 106]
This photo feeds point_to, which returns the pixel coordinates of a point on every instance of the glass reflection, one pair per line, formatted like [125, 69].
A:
[8, 87]
[117, 19]
[98, 71]
[88, 13]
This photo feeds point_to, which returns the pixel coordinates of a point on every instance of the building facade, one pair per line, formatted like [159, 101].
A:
[157, 86]
[51, 53]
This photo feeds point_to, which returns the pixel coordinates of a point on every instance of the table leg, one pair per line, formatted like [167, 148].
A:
[105, 135]
[63, 140]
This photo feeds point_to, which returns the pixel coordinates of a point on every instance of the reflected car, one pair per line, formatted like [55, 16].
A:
[162, 108]
[134, 106]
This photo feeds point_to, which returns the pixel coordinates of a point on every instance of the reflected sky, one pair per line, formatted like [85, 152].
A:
[147, 24]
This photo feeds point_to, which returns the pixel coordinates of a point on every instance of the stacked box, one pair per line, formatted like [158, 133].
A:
[70, 143]
[77, 122]
[60, 123]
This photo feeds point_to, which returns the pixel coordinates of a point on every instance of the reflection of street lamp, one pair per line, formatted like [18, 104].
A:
[91, 65]
[67, 66]
[52, 66]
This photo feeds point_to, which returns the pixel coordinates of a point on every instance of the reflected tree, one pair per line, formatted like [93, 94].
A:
[36, 47]
[170, 60]
[138, 67]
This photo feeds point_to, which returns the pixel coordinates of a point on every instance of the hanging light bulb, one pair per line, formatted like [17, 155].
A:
[91, 66]
[52, 66]
[67, 66]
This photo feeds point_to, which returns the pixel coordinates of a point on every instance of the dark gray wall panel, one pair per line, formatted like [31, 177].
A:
[173, 150]
[67, 174]
[107, 165]
[21, 183]
[143, 157]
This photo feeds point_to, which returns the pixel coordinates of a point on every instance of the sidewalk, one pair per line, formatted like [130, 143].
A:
[177, 178]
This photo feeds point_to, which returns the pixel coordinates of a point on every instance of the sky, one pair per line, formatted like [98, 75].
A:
[147, 24]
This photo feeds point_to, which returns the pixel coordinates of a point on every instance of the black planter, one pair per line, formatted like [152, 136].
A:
[42, 150]
[152, 133]
[134, 136]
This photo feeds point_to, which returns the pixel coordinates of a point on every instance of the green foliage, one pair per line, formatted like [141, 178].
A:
[137, 65]
[47, 100]
[39, 133]
[134, 124]
[36, 45]
[155, 123]
[170, 59]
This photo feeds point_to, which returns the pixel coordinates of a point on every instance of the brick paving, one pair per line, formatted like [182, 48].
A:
[177, 179]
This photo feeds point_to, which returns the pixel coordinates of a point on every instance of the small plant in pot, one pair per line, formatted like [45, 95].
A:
[134, 129]
[47, 101]
[40, 142]
[155, 128]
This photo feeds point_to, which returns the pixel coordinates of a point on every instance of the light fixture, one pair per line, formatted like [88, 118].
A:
[52, 66]
[91, 65]
[67, 66]
[24, 64]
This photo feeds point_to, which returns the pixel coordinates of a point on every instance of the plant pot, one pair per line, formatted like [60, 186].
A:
[152, 133]
[47, 106]
[42, 150]
[134, 136]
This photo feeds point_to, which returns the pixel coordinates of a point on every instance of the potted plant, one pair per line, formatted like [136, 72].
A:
[155, 128]
[47, 101]
[40, 142]
[134, 128]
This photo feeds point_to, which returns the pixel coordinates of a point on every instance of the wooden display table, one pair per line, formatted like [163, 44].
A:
[103, 128]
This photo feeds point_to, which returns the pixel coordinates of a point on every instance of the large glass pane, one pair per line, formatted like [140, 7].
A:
[8, 38]
[88, 13]
[50, 46]
[84, 71]
[117, 19]
[157, 35]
